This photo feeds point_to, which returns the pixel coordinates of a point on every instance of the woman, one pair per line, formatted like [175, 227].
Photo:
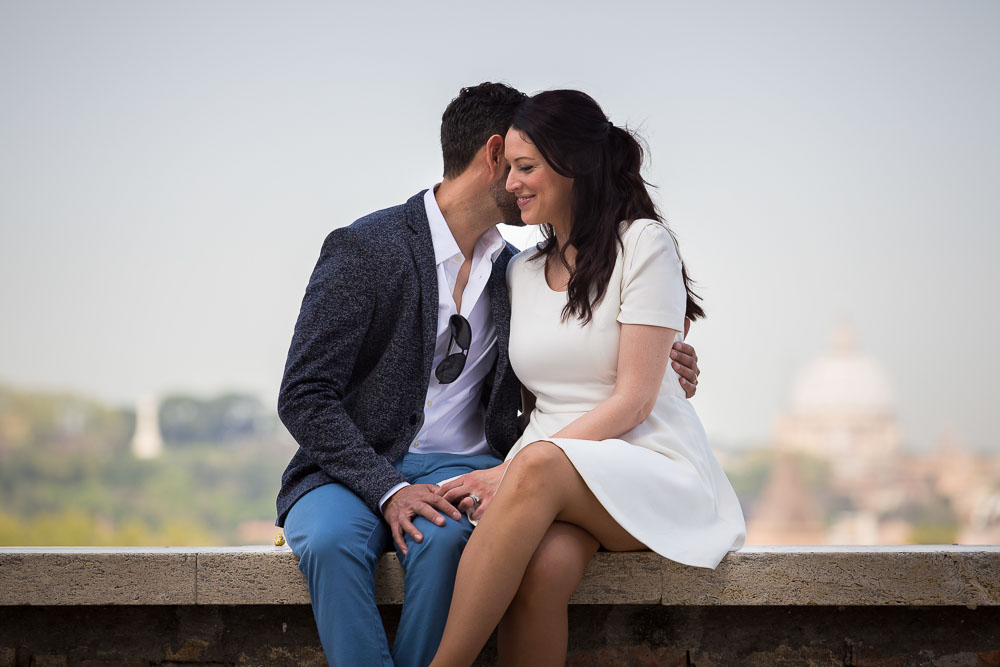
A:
[613, 454]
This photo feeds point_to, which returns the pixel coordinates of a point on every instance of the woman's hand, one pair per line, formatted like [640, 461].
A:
[482, 483]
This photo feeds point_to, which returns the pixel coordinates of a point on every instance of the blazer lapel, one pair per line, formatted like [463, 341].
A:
[423, 257]
[500, 305]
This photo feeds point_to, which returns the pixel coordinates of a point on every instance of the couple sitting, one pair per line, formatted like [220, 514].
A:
[421, 335]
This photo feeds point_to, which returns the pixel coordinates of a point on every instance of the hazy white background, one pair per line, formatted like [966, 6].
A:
[168, 171]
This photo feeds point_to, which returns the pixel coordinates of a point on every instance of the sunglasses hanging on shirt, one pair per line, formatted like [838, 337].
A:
[451, 366]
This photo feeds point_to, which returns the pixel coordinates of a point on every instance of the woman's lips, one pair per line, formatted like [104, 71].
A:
[523, 201]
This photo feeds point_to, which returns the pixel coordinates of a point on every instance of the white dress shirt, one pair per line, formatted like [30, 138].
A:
[454, 419]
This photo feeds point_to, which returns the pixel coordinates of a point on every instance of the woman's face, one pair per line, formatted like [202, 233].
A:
[542, 194]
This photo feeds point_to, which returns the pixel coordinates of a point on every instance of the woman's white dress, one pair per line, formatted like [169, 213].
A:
[660, 481]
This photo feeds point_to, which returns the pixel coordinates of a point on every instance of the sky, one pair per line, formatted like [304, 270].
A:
[168, 171]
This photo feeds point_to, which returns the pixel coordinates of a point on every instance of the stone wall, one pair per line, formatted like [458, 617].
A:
[599, 635]
[851, 606]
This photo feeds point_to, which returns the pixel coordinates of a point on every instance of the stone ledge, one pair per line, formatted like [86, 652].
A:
[762, 576]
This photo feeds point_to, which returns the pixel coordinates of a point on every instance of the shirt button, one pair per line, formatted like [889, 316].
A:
[429, 403]
[416, 444]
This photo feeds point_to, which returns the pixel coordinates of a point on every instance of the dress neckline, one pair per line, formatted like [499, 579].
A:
[545, 279]
[540, 268]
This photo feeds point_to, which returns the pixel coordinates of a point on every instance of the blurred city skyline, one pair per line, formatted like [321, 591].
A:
[169, 171]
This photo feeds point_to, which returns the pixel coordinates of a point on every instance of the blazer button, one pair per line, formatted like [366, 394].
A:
[414, 419]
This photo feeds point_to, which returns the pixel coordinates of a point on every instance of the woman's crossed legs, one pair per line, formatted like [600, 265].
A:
[544, 514]
[535, 628]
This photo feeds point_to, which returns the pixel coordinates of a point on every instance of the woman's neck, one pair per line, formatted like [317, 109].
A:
[562, 242]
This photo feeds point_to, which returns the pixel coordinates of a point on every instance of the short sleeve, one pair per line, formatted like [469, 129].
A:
[653, 289]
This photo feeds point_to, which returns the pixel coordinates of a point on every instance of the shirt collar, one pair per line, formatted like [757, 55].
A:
[445, 246]
[494, 241]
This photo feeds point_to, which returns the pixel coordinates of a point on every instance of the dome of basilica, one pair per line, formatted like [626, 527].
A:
[843, 380]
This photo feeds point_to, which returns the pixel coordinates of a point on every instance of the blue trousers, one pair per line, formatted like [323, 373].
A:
[338, 540]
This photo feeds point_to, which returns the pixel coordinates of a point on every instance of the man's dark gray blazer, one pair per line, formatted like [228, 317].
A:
[360, 360]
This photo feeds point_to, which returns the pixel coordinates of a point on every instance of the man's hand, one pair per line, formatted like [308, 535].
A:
[411, 501]
[685, 361]
[482, 483]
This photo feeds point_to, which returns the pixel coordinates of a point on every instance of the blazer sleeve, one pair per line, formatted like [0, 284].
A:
[336, 311]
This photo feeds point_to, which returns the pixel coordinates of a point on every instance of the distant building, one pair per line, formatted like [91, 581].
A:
[842, 423]
[842, 408]
[984, 524]
[147, 442]
[788, 512]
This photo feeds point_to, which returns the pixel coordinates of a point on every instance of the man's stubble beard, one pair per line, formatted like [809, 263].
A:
[507, 204]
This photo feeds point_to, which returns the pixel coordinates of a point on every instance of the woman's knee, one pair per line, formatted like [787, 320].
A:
[536, 464]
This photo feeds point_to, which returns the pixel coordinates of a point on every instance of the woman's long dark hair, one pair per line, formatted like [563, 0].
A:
[575, 138]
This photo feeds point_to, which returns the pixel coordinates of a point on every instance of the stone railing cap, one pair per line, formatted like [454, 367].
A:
[779, 575]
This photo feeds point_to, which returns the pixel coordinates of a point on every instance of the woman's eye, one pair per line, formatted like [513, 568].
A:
[525, 169]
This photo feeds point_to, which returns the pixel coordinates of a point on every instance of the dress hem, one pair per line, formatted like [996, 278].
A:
[670, 553]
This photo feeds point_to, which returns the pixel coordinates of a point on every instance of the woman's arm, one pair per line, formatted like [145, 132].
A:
[643, 354]
[484, 483]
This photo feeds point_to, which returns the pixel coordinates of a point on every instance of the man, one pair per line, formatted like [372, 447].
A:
[398, 378]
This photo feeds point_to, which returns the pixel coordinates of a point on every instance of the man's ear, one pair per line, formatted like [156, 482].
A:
[494, 154]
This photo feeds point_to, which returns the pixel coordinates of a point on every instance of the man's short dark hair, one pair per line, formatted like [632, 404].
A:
[472, 118]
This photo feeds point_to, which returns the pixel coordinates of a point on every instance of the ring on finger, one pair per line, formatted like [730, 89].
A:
[476, 499]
